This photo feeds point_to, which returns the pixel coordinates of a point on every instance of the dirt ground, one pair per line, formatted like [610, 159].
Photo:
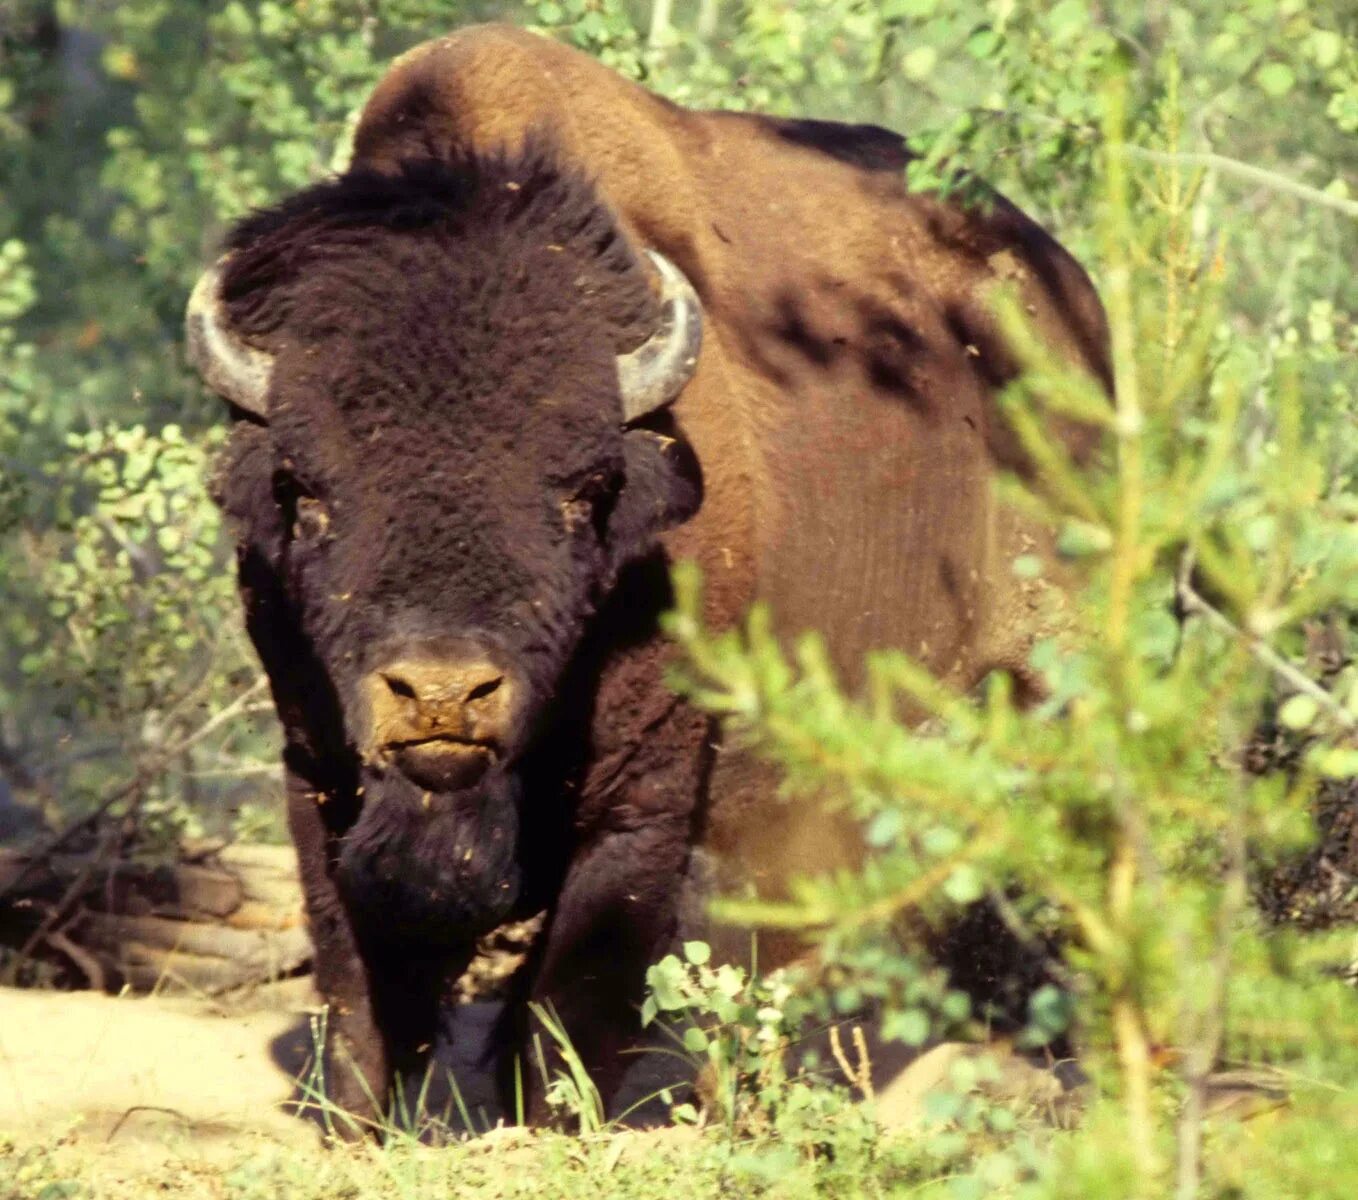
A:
[155, 1077]
[128, 1069]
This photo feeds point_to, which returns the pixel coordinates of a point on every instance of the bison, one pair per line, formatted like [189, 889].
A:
[545, 335]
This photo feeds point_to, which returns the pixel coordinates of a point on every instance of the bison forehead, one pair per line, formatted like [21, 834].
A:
[513, 249]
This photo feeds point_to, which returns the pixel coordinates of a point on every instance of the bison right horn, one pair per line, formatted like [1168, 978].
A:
[653, 374]
[236, 371]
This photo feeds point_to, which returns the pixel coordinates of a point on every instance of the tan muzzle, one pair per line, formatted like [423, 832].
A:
[440, 722]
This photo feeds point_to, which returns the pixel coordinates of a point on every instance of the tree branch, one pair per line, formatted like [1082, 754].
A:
[1244, 170]
[146, 770]
[1191, 603]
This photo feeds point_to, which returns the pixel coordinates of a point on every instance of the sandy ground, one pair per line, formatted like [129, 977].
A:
[184, 1074]
[105, 1067]
[151, 1084]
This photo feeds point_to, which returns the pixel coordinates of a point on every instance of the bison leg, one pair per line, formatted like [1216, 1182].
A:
[618, 908]
[617, 914]
[356, 1071]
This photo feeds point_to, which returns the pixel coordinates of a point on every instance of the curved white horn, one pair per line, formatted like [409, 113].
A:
[236, 371]
[653, 374]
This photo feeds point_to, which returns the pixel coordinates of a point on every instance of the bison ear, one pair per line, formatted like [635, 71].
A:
[242, 486]
[663, 488]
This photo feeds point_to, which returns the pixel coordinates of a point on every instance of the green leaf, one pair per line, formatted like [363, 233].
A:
[1049, 1011]
[964, 885]
[910, 1026]
[1326, 47]
[695, 1040]
[983, 43]
[1337, 763]
[1297, 712]
[1275, 79]
[1067, 18]
[919, 63]
[698, 953]
[893, 10]
[885, 828]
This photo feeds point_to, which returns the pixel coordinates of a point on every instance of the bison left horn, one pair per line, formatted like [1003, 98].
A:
[236, 371]
[653, 374]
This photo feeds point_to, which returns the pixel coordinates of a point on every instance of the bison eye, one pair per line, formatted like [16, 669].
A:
[310, 520]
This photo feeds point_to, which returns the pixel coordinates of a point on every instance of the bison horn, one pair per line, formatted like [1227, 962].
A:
[653, 374]
[237, 372]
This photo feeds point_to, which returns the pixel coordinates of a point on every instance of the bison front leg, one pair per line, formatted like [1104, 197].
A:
[618, 909]
[617, 914]
[383, 994]
[355, 1071]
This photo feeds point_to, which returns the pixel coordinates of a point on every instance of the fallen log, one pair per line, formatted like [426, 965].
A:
[228, 918]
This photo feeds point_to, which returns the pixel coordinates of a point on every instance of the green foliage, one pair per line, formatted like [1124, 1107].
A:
[737, 1029]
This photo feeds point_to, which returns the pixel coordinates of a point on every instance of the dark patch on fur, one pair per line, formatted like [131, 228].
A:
[867, 146]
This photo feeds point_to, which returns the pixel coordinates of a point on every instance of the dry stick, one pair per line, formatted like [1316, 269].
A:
[1233, 166]
[860, 1045]
[141, 1108]
[146, 771]
[91, 966]
[58, 911]
[1192, 603]
[1133, 1046]
[1013, 921]
[837, 1049]
[707, 19]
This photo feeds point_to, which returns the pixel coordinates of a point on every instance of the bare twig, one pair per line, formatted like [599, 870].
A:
[1244, 170]
[1191, 603]
[660, 24]
[92, 968]
[707, 19]
[141, 1108]
[1211, 1024]
[150, 767]
[1014, 922]
[860, 1076]
[58, 912]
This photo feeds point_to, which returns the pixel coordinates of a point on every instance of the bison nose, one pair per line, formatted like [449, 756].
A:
[440, 722]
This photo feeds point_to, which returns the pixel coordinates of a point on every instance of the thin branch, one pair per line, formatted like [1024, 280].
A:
[660, 24]
[1244, 170]
[1013, 921]
[57, 914]
[1191, 603]
[146, 771]
[244, 771]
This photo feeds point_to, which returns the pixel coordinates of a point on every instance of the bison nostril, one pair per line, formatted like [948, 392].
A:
[399, 686]
[485, 688]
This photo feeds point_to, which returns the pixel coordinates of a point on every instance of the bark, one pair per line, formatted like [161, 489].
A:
[231, 919]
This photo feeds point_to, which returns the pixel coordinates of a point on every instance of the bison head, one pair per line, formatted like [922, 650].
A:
[450, 386]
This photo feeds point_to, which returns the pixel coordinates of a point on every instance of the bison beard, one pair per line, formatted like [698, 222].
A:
[462, 464]
[433, 870]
